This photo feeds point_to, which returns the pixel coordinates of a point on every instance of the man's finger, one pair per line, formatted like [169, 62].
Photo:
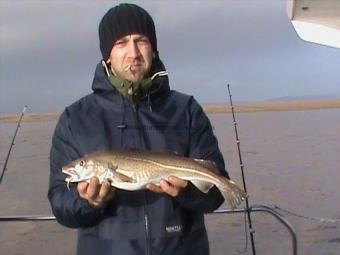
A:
[93, 188]
[82, 187]
[169, 188]
[154, 188]
[104, 191]
[178, 182]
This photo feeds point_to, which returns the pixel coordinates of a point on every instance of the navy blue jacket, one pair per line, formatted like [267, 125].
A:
[139, 222]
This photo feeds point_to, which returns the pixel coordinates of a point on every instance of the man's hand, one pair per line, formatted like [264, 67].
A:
[172, 187]
[95, 193]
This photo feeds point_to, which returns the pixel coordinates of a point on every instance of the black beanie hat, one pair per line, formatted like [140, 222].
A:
[122, 20]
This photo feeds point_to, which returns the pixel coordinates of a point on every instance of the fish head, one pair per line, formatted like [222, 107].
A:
[79, 170]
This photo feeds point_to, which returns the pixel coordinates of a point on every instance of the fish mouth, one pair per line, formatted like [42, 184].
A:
[67, 169]
[70, 172]
[68, 179]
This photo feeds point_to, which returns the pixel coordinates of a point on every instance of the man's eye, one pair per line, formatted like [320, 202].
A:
[119, 43]
[143, 40]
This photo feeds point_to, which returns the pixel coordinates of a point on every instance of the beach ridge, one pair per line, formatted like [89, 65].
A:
[296, 105]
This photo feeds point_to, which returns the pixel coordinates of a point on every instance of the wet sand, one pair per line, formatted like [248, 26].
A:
[291, 159]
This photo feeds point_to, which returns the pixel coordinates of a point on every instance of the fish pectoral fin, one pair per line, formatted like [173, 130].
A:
[109, 173]
[124, 178]
[111, 166]
[203, 186]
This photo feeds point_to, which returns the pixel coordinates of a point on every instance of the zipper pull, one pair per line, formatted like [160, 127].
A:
[134, 106]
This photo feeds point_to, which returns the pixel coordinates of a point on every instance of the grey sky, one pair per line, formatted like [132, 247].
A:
[49, 50]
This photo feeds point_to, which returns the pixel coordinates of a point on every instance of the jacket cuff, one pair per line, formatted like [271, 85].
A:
[193, 199]
[190, 196]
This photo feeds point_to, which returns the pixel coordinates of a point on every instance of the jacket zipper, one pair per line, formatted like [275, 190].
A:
[147, 226]
[146, 215]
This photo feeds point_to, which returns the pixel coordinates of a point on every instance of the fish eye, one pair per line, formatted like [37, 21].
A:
[82, 163]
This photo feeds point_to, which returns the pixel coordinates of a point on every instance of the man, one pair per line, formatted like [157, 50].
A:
[133, 107]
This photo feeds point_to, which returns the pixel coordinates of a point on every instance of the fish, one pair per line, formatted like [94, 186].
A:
[133, 169]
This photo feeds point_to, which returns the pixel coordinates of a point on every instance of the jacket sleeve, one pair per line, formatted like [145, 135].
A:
[203, 145]
[67, 206]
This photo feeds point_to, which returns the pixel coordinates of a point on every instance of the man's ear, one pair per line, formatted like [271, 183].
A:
[153, 55]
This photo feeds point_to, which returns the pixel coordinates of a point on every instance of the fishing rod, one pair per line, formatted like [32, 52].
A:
[11, 146]
[250, 225]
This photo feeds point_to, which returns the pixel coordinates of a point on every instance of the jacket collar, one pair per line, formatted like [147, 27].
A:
[102, 84]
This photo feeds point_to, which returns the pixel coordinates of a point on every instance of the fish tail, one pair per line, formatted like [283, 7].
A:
[233, 194]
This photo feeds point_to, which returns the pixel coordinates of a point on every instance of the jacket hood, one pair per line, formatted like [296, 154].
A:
[102, 84]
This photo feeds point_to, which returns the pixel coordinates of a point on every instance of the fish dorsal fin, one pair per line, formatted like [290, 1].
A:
[209, 165]
[165, 153]
[203, 186]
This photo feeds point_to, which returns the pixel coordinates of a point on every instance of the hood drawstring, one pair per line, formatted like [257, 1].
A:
[105, 68]
[122, 125]
[161, 73]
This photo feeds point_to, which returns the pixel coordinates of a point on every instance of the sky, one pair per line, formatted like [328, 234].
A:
[49, 51]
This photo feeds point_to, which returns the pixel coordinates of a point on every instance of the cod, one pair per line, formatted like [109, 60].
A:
[134, 169]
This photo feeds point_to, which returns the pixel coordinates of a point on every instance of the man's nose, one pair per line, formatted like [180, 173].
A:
[133, 50]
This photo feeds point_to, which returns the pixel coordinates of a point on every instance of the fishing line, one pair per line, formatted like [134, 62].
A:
[303, 216]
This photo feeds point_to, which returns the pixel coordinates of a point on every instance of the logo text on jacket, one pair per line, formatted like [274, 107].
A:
[171, 229]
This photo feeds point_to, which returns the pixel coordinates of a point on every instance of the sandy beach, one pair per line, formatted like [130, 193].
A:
[296, 105]
[291, 159]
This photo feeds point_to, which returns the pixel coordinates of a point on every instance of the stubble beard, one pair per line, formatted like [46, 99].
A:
[134, 74]
[134, 71]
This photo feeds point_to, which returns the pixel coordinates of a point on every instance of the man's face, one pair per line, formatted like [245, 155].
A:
[131, 57]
